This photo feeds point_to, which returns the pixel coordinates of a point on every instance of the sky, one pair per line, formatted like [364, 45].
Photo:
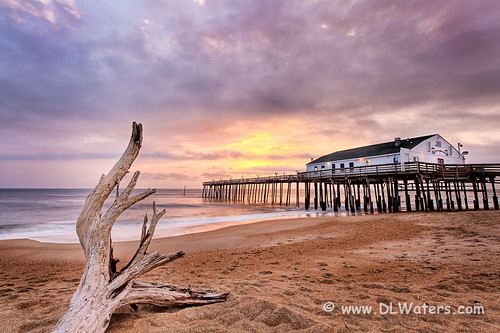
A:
[232, 88]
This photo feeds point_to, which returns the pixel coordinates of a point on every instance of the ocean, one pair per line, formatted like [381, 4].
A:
[49, 215]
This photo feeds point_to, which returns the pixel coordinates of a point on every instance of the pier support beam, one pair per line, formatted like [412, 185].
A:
[457, 195]
[315, 195]
[476, 197]
[407, 196]
[370, 202]
[351, 196]
[334, 198]
[297, 194]
[425, 202]
[431, 202]
[448, 203]
[307, 195]
[396, 196]
[325, 197]
[466, 201]
[495, 198]
[486, 205]
[378, 198]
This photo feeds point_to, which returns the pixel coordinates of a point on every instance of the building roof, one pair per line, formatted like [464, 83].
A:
[372, 150]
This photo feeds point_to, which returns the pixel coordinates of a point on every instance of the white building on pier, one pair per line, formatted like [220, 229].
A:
[428, 149]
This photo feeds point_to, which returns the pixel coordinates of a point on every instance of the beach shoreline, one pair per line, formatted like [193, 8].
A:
[281, 273]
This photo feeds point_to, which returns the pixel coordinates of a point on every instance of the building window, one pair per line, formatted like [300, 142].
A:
[450, 150]
[428, 146]
[342, 166]
[440, 160]
[438, 143]
[322, 167]
[333, 166]
[396, 159]
[367, 162]
[351, 164]
[315, 168]
[415, 158]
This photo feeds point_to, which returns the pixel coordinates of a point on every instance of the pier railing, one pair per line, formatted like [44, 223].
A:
[455, 171]
[381, 169]
[445, 171]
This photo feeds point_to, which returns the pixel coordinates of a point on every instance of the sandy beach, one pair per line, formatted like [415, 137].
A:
[281, 273]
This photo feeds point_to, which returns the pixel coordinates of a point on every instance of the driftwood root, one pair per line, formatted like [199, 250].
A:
[102, 288]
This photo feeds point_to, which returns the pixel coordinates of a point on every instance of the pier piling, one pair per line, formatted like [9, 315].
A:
[421, 183]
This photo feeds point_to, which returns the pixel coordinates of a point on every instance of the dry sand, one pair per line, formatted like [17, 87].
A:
[280, 273]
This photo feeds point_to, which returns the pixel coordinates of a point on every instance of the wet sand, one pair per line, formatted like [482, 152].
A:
[281, 273]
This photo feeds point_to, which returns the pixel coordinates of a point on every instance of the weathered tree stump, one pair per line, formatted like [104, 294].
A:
[102, 288]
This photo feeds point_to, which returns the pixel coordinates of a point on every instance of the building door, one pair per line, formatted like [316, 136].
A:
[440, 160]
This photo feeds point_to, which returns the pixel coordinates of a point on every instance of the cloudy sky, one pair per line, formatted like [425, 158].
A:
[231, 88]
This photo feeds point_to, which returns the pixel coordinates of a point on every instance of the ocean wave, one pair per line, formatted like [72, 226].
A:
[129, 230]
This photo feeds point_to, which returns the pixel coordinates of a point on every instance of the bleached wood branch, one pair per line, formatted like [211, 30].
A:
[91, 211]
[160, 294]
[102, 289]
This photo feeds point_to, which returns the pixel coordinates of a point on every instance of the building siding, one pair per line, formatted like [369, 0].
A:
[427, 151]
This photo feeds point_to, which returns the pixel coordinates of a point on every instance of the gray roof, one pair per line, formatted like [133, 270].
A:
[372, 150]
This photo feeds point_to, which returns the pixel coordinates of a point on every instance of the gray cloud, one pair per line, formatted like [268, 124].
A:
[171, 176]
[231, 57]
[55, 157]
[193, 71]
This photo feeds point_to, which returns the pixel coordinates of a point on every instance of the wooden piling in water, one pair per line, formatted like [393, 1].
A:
[424, 197]
[431, 202]
[476, 197]
[396, 196]
[307, 192]
[486, 204]
[370, 196]
[407, 196]
[315, 195]
[378, 198]
[388, 187]
[330, 197]
[457, 195]
[466, 201]
[325, 196]
[357, 196]
[448, 203]
[495, 198]
[418, 200]
[366, 188]
[338, 195]
[288, 190]
[440, 196]
[426, 183]
[334, 197]
[281, 193]
[351, 196]
[297, 198]
[320, 195]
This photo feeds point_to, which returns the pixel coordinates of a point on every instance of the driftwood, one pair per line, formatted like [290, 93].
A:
[102, 288]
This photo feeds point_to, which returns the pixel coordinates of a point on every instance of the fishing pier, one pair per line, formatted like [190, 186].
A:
[387, 188]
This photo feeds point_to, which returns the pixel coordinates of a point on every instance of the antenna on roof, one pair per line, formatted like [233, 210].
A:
[397, 141]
